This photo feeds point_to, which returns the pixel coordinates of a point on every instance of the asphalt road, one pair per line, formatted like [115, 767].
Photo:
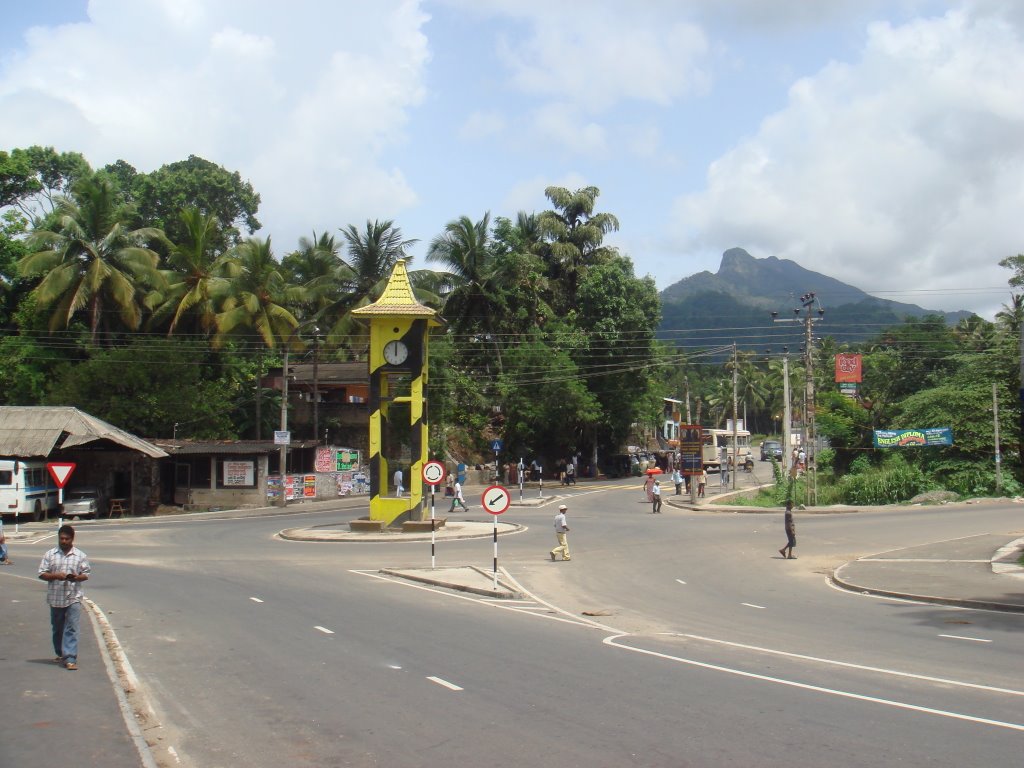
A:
[707, 648]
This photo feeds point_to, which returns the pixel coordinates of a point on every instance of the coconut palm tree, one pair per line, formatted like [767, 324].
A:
[574, 235]
[259, 298]
[91, 259]
[198, 276]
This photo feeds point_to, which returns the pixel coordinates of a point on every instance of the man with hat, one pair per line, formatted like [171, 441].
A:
[561, 531]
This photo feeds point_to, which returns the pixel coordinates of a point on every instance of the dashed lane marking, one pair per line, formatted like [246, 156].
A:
[964, 637]
[445, 683]
[325, 630]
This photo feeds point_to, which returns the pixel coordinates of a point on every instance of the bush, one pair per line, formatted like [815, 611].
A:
[894, 482]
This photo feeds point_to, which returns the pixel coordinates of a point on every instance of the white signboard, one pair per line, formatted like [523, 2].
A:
[282, 438]
[239, 473]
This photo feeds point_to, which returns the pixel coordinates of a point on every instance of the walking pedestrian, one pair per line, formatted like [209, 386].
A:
[570, 473]
[723, 468]
[399, 490]
[656, 498]
[648, 482]
[702, 481]
[65, 567]
[561, 533]
[457, 497]
[790, 533]
[677, 479]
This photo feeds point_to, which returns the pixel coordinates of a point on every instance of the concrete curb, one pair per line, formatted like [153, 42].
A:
[933, 599]
[1004, 562]
[483, 531]
[419, 575]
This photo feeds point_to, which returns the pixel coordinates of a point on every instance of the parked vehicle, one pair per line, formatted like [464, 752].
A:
[717, 439]
[771, 449]
[82, 502]
[26, 489]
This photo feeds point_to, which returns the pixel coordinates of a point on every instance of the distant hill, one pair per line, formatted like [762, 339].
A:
[734, 304]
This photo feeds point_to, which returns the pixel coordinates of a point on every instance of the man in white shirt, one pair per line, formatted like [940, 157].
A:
[457, 498]
[656, 498]
[561, 533]
[64, 568]
[399, 490]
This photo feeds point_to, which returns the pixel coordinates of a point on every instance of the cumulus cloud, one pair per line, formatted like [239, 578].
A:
[899, 171]
[304, 110]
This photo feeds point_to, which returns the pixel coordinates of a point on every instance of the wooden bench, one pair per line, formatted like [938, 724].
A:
[418, 526]
[363, 525]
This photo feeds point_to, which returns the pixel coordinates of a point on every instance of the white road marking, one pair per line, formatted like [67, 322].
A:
[817, 688]
[914, 560]
[751, 605]
[255, 599]
[850, 665]
[563, 616]
[445, 683]
[963, 637]
[680, 581]
[325, 630]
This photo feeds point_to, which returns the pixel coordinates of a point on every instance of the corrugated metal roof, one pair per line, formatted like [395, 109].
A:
[224, 447]
[37, 430]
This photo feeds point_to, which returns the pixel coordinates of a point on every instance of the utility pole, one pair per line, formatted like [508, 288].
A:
[808, 302]
[283, 458]
[686, 384]
[735, 423]
[316, 383]
[787, 415]
[999, 458]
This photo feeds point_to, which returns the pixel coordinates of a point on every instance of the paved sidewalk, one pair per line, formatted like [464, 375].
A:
[976, 572]
[53, 716]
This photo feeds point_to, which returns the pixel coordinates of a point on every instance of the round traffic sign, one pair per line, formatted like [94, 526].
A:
[433, 472]
[496, 499]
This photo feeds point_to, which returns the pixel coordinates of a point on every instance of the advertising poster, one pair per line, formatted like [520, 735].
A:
[690, 449]
[289, 487]
[347, 460]
[309, 486]
[848, 368]
[239, 473]
[274, 487]
[909, 438]
[324, 459]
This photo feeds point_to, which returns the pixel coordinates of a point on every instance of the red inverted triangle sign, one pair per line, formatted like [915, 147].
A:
[61, 471]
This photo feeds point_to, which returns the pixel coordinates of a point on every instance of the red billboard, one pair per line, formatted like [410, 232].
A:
[848, 368]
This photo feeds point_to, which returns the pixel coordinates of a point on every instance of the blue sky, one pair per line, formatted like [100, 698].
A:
[878, 142]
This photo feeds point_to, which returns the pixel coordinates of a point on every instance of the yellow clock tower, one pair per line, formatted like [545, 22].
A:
[399, 337]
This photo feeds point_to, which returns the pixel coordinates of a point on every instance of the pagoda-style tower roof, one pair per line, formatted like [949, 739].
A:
[397, 299]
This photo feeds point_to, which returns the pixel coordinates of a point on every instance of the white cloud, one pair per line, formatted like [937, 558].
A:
[304, 106]
[900, 171]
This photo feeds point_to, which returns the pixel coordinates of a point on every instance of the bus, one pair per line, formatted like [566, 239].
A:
[717, 439]
[26, 488]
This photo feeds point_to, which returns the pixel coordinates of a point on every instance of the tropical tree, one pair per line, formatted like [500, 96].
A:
[198, 276]
[475, 302]
[259, 297]
[574, 235]
[162, 195]
[91, 260]
[1011, 317]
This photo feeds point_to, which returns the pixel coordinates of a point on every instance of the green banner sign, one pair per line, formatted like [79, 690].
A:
[903, 438]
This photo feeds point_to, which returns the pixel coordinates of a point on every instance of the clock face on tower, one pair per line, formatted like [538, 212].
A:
[395, 352]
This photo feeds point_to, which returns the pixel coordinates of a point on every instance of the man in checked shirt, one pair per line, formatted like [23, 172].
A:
[64, 568]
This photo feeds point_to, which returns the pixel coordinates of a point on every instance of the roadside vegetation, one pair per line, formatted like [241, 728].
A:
[149, 300]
